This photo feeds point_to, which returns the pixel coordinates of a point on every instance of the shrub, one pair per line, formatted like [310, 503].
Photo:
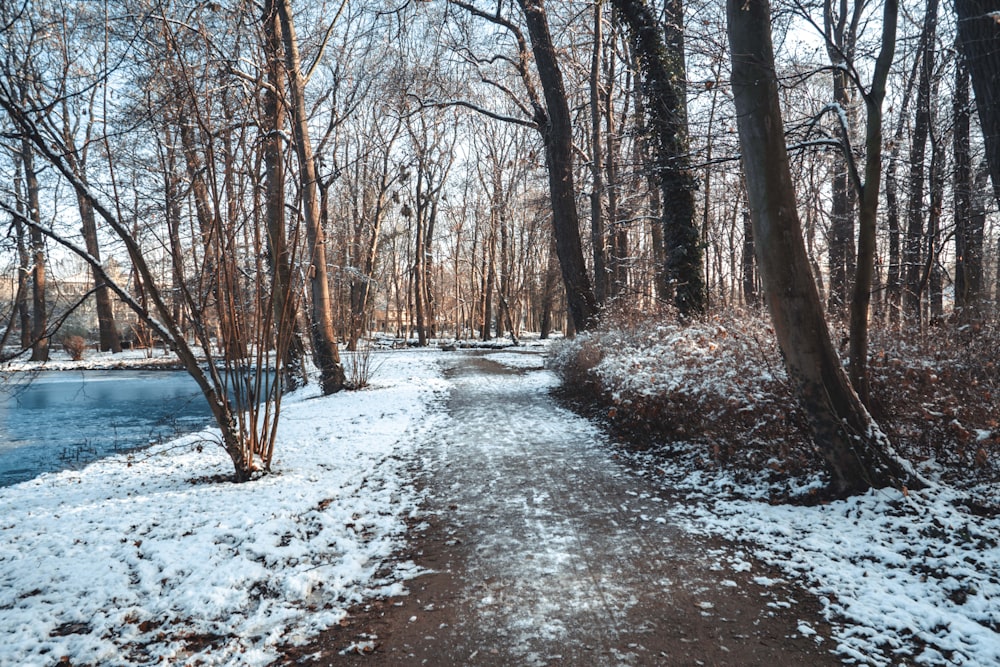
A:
[361, 365]
[718, 385]
[74, 346]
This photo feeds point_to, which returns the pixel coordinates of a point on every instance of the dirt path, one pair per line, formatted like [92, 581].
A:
[545, 549]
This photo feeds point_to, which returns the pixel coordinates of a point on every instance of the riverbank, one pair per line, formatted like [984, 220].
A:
[153, 557]
[145, 359]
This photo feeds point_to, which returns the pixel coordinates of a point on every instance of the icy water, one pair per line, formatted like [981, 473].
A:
[65, 419]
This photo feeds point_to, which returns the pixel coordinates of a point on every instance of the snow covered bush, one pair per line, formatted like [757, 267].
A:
[936, 395]
[719, 383]
[719, 387]
[361, 365]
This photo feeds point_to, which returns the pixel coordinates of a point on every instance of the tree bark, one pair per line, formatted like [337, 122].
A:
[325, 352]
[39, 314]
[868, 211]
[549, 286]
[750, 296]
[841, 27]
[23, 256]
[913, 247]
[933, 273]
[108, 337]
[597, 160]
[968, 228]
[418, 266]
[284, 305]
[556, 125]
[618, 236]
[894, 273]
[858, 455]
[978, 35]
[661, 60]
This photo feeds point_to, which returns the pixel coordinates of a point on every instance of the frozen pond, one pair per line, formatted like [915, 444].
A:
[64, 419]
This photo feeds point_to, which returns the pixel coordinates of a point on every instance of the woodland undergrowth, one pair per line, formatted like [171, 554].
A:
[714, 393]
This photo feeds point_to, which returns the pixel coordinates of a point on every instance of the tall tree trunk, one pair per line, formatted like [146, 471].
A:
[108, 337]
[39, 313]
[325, 353]
[750, 296]
[841, 246]
[489, 282]
[968, 240]
[979, 34]
[840, 25]
[661, 59]
[894, 273]
[23, 256]
[549, 287]
[230, 293]
[284, 305]
[173, 198]
[856, 452]
[418, 271]
[430, 304]
[912, 249]
[893, 280]
[868, 214]
[617, 270]
[109, 340]
[503, 279]
[935, 279]
[556, 125]
[597, 160]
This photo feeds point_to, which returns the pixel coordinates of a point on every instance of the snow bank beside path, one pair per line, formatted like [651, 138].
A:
[123, 564]
[905, 578]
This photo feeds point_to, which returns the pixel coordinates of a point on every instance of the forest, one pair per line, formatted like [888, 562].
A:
[268, 185]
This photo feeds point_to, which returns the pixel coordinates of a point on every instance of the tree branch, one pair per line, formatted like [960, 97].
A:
[432, 104]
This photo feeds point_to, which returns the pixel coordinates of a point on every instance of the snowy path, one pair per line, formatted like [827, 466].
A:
[554, 552]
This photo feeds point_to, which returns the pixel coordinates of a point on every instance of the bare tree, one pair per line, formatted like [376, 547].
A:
[840, 28]
[108, 335]
[32, 208]
[978, 35]
[243, 399]
[281, 253]
[913, 248]
[556, 125]
[550, 115]
[856, 452]
[325, 352]
[661, 61]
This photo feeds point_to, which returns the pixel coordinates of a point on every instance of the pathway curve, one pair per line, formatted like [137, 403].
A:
[546, 549]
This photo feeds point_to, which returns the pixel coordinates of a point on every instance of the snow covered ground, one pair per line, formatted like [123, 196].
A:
[908, 578]
[125, 563]
[131, 563]
[60, 361]
[905, 578]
